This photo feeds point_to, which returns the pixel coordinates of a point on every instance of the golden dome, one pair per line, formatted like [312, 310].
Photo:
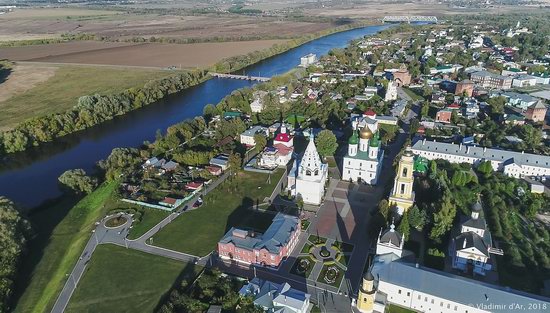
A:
[365, 133]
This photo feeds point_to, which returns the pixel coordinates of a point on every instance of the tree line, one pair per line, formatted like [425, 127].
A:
[92, 110]
[14, 233]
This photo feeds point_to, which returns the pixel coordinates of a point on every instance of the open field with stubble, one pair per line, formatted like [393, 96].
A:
[34, 90]
[141, 55]
[120, 25]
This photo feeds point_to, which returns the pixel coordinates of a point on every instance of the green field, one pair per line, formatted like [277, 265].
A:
[198, 231]
[149, 218]
[61, 92]
[118, 280]
[62, 230]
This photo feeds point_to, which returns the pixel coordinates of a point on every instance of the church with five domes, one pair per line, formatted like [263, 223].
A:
[363, 160]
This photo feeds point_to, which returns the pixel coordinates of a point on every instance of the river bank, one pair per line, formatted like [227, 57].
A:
[93, 110]
[30, 177]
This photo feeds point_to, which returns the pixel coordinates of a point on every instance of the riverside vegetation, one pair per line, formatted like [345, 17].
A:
[92, 110]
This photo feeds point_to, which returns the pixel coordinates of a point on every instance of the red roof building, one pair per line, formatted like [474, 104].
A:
[369, 113]
[193, 186]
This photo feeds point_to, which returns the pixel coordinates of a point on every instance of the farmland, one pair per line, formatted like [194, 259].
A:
[120, 25]
[139, 55]
[32, 90]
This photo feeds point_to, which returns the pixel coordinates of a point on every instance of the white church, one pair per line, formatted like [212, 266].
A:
[363, 161]
[308, 176]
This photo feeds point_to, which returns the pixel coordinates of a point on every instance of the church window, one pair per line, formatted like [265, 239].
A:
[408, 294]
[405, 172]
[418, 297]
[399, 291]
[316, 172]
[308, 173]
[432, 301]
[365, 299]
[402, 188]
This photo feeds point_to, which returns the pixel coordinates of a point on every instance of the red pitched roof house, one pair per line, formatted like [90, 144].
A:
[193, 186]
[214, 170]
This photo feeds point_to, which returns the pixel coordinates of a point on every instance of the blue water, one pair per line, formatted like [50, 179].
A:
[30, 178]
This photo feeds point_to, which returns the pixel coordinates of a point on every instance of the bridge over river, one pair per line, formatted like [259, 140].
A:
[244, 77]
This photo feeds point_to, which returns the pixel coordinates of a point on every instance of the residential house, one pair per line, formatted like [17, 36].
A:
[444, 115]
[276, 298]
[247, 137]
[221, 161]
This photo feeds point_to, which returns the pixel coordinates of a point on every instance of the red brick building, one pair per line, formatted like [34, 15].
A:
[536, 112]
[267, 249]
[402, 77]
[465, 87]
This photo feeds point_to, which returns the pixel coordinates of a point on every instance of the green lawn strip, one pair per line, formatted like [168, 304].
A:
[148, 219]
[58, 254]
[198, 231]
[339, 276]
[344, 259]
[392, 308]
[316, 239]
[119, 280]
[306, 247]
[413, 94]
[61, 91]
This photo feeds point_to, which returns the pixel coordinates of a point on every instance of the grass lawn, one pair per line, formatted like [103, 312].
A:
[344, 259]
[61, 92]
[306, 247]
[118, 280]
[338, 278]
[149, 218]
[295, 267]
[197, 232]
[316, 240]
[413, 95]
[397, 309]
[62, 230]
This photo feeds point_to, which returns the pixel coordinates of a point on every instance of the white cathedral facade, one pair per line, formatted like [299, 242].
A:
[363, 161]
[308, 176]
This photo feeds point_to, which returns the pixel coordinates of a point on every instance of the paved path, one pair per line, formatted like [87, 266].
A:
[117, 236]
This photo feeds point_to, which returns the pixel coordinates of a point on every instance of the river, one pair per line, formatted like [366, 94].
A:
[30, 177]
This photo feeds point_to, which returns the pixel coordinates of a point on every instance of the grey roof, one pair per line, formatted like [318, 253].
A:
[266, 293]
[478, 223]
[490, 154]
[491, 74]
[455, 288]
[391, 236]
[275, 237]
[471, 240]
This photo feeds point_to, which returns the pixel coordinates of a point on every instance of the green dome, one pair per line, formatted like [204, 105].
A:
[354, 139]
[375, 141]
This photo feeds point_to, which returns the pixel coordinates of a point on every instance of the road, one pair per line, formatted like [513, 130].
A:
[117, 235]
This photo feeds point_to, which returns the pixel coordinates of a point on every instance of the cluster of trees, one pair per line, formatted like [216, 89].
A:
[14, 233]
[92, 110]
[509, 209]
[211, 288]
[44, 41]
[78, 181]
[238, 62]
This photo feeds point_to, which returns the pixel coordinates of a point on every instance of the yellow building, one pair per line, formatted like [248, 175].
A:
[365, 298]
[402, 195]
